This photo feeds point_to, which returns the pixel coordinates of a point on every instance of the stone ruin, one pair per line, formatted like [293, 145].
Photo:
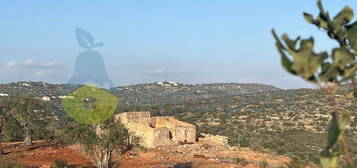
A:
[157, 131]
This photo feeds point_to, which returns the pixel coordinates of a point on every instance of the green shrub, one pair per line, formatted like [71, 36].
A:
[264, 164]
[59, 163]
[241, 161]
[11, 165]
[297, 163]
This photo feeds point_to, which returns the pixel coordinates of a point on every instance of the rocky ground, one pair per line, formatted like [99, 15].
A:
[42, 154]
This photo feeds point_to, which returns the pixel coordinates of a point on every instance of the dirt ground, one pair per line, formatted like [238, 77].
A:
[43, 153]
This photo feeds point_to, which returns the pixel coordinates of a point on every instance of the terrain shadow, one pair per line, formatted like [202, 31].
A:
[183, 165]
[20, 147]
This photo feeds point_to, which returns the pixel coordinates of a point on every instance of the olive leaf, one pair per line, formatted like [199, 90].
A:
[343, 17]
[329, 72]
[324, 18]
[308, 17]
[305, 62]
[321, 23]
[85, 39]
[342, 57]
[352, 35]
[285, 61]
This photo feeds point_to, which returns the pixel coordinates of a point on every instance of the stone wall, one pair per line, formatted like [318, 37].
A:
[157, 131]
[145, 132]
[181, 131]
[137, 117]
[214, 139]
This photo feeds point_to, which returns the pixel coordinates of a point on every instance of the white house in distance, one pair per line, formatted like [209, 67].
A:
[166, 83]
[46, 98]
[25, 84]
[3, 95]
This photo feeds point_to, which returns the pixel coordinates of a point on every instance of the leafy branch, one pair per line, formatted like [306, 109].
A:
[328, 70]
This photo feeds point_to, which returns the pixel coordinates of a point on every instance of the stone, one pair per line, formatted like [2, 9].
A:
[157, 131]
[213, 139]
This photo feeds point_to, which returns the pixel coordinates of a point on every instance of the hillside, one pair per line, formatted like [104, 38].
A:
[291, 122]
[169, 92]
[261, 117]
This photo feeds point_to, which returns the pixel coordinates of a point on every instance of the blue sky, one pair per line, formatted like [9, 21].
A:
[190, 41]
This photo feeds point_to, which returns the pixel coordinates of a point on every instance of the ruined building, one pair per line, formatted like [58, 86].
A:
[157, 131]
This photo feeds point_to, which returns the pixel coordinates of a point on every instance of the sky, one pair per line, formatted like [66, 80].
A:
[189, 41]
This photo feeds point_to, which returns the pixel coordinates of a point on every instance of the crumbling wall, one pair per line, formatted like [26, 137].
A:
[139, 124]
[143, 117]
[157, 131]
[213, 139]
[145, 133]
[162, 137]
[181, 131]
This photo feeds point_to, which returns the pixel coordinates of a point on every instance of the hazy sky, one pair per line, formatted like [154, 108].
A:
[191, 41]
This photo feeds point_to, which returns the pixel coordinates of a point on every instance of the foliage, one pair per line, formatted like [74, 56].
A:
[241, 161]
[322, 68]
[297, 163]
[43, 129]
[25, 109]
[100, 141]
[59, 163]
[3, 118]
[12, 131]
[264, 164]
[10, 165]
[253, 124]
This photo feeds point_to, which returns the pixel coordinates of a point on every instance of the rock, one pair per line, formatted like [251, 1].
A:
[214, 139]
[158, 131]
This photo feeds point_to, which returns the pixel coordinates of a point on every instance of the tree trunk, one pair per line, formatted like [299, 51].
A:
[28, 135]
[103, 160]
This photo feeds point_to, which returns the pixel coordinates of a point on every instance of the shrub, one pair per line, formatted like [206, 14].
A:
[11, 165]
[297, 163]
[99, 142]
[241, 161]
[59, 163]
[264, 164]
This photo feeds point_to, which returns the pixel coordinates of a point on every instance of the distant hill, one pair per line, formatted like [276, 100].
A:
[169, 92]
[152, 89]
[133, 96]
[37, 88]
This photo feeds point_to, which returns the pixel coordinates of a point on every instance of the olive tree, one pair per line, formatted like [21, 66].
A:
[97, 134]
[99, 142]
[25, 109]
[328, 70]
[4, 112]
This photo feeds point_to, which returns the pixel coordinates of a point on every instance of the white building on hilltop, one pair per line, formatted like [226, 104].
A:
[166, 83]
[3, 95]
[45, 98]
